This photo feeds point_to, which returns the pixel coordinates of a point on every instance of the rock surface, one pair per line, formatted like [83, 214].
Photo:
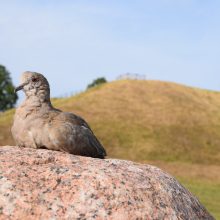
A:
[43, 184]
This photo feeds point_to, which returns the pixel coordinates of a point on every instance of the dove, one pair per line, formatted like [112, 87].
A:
[37, 124]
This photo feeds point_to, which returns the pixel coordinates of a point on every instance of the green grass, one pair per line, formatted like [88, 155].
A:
[207, 192]
[202, 180]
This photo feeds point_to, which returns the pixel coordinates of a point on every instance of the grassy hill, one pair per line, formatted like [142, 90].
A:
[152, 120]
[167, 124]
[147, 120]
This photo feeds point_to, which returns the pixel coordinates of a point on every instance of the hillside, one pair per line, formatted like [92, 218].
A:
[147, 120]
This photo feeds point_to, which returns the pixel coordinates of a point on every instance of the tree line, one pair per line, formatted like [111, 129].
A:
[8, 97]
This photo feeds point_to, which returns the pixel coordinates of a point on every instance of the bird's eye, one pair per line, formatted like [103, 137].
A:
[34, 79]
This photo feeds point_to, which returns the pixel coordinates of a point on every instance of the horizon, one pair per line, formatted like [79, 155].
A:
[72, 94]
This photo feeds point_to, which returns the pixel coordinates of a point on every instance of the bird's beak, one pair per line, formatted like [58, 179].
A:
[20, 87]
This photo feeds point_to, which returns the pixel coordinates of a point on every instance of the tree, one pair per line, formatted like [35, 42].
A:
[96, 82]
[7, 95]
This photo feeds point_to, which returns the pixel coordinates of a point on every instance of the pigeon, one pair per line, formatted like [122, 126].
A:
[37, 124]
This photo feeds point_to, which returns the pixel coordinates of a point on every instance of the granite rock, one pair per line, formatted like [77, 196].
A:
[44, 184]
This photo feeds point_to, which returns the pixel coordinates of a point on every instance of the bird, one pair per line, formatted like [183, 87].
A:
[37, 124]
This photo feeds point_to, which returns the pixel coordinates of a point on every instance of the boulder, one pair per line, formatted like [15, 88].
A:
[43, 184]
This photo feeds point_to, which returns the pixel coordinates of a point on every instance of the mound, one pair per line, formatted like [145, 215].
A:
[147, 120]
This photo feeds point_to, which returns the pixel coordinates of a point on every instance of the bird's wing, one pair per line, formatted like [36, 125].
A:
[77, 137]
[89, 142]
[79, 120]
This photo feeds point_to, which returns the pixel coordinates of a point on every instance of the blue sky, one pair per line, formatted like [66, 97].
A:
[74, 42]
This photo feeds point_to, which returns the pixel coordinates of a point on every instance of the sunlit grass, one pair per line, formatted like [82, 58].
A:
[202, 180]
[207, 192]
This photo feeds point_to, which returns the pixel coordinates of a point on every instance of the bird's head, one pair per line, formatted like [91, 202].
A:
[34, 84]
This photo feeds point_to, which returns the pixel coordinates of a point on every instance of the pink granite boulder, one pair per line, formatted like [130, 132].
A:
[43, 184]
